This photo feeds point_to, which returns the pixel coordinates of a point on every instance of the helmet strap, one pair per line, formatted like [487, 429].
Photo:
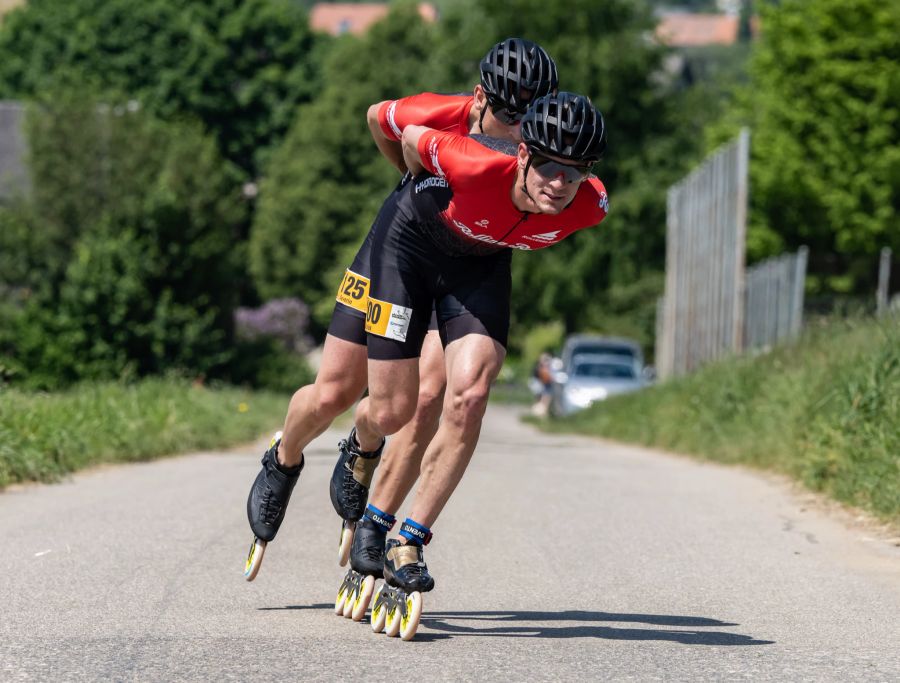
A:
[525, 178]
[481, 118]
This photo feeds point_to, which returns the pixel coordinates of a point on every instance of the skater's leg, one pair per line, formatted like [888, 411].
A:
[393, 384]
[391, 403]
[473, 362]
[403, 454]
[340, 381]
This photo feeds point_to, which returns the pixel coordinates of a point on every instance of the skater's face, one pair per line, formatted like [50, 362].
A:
[495, 119]
[551, 182]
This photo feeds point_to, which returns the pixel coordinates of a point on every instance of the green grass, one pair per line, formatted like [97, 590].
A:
[825, 410]
[43, 436]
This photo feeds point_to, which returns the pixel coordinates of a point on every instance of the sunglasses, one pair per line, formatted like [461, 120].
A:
[504, 114]
[551, 169]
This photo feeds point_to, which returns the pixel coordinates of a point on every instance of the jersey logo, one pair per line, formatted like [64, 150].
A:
[433, 153]
[430, 182]
[466, 230]
[545, 237]
[392, 108]
[604, 202]
[483, 223]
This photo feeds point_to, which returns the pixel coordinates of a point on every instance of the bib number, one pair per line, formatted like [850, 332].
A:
[354, 291]
[387, 320]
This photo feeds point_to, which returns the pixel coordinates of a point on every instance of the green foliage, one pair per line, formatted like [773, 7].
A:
[266, 364]
[327, 180]
[45, 436]
[547, 337]
[826, 410]
[134, 247]
[823, 103]
[240, 66]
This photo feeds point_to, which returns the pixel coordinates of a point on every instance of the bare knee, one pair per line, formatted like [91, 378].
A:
[327, 400]
[468, 402]
[390, 417]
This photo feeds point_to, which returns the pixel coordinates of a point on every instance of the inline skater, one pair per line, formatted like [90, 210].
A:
[513, 72]
[446, 238]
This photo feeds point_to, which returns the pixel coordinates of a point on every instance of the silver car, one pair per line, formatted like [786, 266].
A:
[592, 378]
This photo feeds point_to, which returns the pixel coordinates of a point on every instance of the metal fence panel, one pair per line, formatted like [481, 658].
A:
[13, 172]
[701, 315]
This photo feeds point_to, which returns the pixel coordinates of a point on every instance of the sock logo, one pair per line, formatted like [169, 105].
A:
[415, 533]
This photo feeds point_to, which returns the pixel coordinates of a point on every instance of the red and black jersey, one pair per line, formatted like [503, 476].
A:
[481, 209]
[441, 112]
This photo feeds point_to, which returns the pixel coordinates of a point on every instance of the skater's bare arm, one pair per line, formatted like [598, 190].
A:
[411, 135]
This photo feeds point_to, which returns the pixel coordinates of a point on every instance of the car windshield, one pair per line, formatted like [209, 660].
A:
[608, 350]
[604, 370]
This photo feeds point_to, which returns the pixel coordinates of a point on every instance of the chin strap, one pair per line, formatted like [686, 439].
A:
[525, 178]
[481, 119]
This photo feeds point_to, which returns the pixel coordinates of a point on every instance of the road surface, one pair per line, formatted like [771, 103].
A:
[559, 558]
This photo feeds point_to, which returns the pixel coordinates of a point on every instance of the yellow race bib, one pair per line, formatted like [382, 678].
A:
[354, 291]
[387, 320]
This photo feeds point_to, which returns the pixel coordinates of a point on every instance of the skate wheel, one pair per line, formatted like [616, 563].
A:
[346, 541]
[343, 597]
[379, 612]
[410, 622]
[254, 559]
[392, 624]
[348, 603]
[361, 604]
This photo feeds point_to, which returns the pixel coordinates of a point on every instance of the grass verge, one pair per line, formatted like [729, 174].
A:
[825, 410]
[43, 436]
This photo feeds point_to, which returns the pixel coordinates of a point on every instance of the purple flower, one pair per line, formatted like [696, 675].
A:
[284, 320]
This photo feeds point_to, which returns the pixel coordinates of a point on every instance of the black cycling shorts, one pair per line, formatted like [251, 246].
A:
[412, 270]
[348, 319]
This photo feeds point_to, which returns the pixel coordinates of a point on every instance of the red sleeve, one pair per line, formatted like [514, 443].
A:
[457, 158]
[441, 112]
[591, 202]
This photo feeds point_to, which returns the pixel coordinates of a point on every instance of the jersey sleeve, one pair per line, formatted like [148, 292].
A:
[593, 202]
[441, 112]
[455, 157]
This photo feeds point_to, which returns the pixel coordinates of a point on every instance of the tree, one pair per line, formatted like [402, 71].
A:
[825, 158]
[137, 270]
[240, 66]
[327, 181]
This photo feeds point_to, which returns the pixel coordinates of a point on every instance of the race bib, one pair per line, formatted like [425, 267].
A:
[387, 320]
[354, 291]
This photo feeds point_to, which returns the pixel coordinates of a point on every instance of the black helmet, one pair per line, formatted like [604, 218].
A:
[514, 65]
[565, 125]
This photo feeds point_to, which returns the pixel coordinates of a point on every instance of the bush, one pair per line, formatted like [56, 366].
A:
[135, 249]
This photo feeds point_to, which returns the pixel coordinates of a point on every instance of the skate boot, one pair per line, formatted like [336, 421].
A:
[398, 603]
[366, 564]
[267, 503]
[349, 487]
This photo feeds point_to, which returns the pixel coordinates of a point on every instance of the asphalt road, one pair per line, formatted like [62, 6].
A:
[559, 558]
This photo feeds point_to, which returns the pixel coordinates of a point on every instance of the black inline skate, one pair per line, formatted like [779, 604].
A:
[398, 603]
[267, 503]
[366, 564]
[349, 488]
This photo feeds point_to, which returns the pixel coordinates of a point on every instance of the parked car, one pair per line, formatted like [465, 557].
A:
[594, 377]
[581, 344]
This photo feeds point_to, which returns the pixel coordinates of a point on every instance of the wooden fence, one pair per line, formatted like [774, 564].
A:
[701, 316]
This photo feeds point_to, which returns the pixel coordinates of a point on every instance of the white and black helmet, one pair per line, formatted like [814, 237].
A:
[515, 72]
[565, 125]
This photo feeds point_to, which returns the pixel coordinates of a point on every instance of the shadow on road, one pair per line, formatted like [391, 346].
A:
[442, 623]
[318, 605]
[441, 627]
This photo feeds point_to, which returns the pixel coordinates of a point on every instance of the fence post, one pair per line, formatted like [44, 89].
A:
[799, 290]
[884, 276]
